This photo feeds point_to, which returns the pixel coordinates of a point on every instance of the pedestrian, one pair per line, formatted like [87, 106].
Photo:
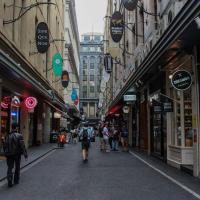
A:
[124, 138]
[14, 147]
[85, 143]
[111, 131]
[101, 126]
[105, 138]
[115, 140]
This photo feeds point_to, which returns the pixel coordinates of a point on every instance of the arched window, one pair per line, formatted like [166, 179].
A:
[92, 62]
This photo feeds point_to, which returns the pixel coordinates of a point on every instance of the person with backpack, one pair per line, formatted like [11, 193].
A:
[14, 147]
[85, 143]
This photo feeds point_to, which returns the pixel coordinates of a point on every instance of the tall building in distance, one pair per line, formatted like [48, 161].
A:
[91, 60]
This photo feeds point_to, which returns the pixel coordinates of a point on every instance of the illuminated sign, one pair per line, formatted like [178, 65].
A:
[31, 102]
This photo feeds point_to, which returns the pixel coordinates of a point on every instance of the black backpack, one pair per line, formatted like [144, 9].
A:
[85, 134]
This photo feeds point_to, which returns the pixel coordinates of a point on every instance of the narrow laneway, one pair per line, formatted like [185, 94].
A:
[114, 175]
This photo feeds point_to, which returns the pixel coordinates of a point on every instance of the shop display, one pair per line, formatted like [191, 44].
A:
[188, 118]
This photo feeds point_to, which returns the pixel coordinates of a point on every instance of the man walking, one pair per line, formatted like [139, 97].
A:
[14, 147]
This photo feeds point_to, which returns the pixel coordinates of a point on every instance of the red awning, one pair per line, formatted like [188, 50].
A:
[114, 110]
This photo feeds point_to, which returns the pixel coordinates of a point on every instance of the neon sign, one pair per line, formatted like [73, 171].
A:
[31, 102]
[4, 105]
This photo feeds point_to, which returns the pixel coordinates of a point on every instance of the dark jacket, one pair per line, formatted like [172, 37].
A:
[14, 145]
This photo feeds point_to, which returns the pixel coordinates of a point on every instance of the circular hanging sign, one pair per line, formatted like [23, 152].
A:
[57, 64]
[31, 102]
[42, 37]
[181, 80]
[116, 26]
[65, 78]
[130, 4]
[73, 95]
[126, 109]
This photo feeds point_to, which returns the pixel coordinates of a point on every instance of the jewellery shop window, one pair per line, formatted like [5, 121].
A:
[182, 118]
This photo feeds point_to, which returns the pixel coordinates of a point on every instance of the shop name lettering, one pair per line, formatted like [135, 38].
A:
[42, 39]
[181, 80]
[117, 30]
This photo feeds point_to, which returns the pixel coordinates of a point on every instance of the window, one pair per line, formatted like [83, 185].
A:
[92, 89]
[91, 65]
[84, 88]
[84, 72]
[84, 94]
[97, 38]
[91, 77]
[92, 49]
[92, 61]
[86, 38]
[84, 78]
[92, 109]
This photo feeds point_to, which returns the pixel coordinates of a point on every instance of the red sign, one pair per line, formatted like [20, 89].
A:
[76, 101]
[31, 102]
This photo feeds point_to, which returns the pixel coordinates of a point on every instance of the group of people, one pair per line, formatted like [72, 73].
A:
[111, 136]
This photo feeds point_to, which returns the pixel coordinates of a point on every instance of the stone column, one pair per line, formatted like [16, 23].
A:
[47, 123]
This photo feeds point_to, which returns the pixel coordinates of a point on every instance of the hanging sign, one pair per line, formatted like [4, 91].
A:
[57, 64]
[108, 63]
[42, 37]
[116, 26]
[129, 97]
[73, 95]
[168, 107]
[65, 78]
[181, 80]
[130, 4]
[16, 101]
[126, 109]
[31, 102]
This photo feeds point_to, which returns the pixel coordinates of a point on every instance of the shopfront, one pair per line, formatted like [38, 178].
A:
[157, 116]
[182, 122]
[10, 111]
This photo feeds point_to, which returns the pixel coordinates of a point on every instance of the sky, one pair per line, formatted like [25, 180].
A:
[90, 15]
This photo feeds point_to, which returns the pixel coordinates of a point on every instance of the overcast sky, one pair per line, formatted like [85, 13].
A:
[90, 14]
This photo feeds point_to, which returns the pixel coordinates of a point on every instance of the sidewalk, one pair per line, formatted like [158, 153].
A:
[34, 153]
[184, 178]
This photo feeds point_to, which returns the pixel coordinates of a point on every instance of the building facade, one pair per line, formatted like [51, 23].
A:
[31, 94]
[71, 62]
[90, 73]
[159, 44]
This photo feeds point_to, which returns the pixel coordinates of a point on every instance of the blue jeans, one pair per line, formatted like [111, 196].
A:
[114, 145]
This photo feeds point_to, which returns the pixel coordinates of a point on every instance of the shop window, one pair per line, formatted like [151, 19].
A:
[182, 118]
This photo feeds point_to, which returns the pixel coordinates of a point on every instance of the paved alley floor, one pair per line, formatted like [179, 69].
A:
[107, 176]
